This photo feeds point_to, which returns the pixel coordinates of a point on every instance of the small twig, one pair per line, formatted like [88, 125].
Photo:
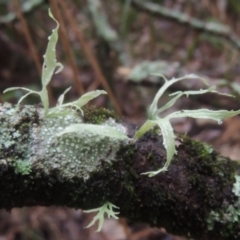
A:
[216, 29]
[12, 44]
[65, 42]
[87, 50]
[94, 85]
[125, 227]
[28, 36]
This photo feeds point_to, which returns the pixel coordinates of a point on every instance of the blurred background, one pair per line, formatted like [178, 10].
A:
[116, 46]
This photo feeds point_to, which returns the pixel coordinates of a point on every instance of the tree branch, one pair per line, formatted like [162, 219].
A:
[39, 167]
[216, 29]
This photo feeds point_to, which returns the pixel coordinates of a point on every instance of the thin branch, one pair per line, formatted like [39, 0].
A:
[89, 54]
[216, 29]
[66, 44]
[28, 36]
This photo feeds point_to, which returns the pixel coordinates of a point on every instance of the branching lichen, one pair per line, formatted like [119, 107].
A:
[107, 208]
[49, 68]
[164, 124]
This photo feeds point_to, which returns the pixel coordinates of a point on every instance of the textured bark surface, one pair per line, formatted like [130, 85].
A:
[193, 198]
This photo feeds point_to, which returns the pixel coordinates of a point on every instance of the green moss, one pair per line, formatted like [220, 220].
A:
[206, 162]
[22, 167]
[200, 148]
[206, 165]
[96, 115]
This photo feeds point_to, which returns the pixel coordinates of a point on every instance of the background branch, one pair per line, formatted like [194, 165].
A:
[212, 28]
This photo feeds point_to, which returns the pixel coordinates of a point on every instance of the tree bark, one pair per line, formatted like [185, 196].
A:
[197, 197]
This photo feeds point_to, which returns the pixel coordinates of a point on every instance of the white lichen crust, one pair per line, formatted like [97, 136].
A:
[71, 154]
[230, 213]
[15, 136]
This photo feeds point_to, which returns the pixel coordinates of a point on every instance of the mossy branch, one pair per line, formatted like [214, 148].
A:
[197, 196]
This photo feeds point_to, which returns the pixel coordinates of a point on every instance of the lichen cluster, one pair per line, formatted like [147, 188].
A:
[15, 136]
[230, 213]
[73, 153]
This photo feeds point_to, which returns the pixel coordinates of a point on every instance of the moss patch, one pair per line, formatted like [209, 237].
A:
[96, 115]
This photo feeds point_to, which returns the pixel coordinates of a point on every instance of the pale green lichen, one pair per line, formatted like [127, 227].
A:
[92, 129]
[49, 67]
[229, 214]
[83, 100]
[107, 209]
[236, 186]
[73, 153]
[164, 123]
[112, 123]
